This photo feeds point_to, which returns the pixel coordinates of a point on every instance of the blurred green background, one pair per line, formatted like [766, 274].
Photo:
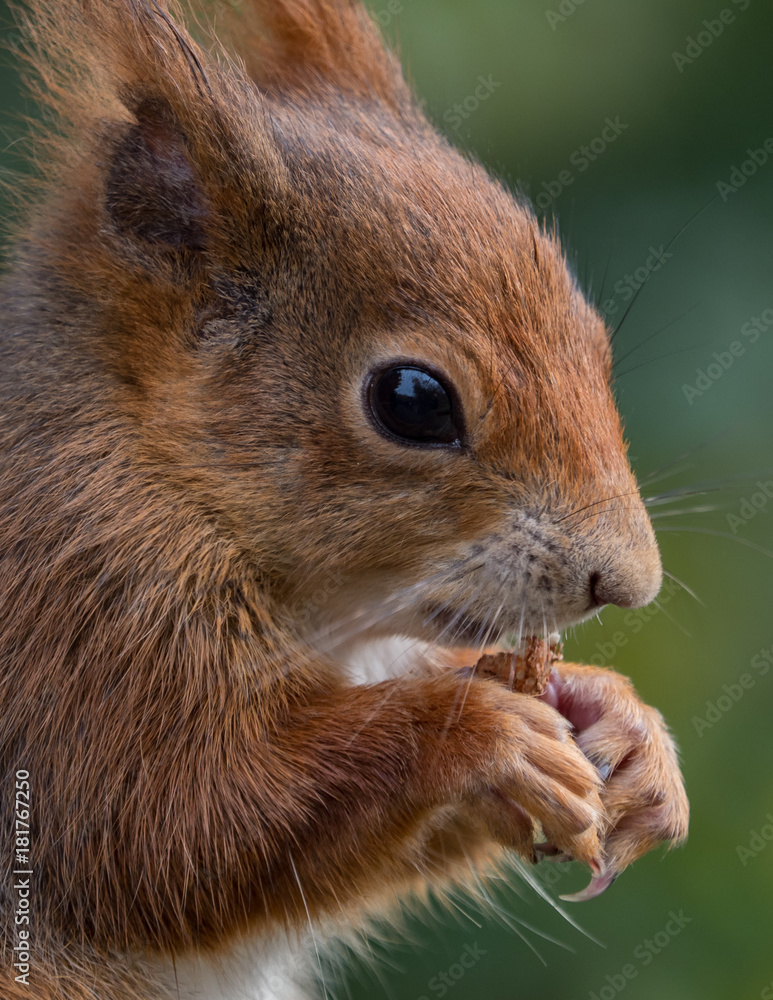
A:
[691, 92]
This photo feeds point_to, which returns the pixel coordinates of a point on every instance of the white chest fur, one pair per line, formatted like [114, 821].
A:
[278, 969]
[256, 970]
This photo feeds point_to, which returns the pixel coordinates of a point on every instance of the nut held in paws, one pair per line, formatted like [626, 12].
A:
[525, 669]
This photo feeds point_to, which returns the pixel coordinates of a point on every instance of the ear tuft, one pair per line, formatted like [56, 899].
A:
[311, 45]
[152, 190]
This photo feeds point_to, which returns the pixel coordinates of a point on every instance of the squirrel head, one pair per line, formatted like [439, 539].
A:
[347, 346]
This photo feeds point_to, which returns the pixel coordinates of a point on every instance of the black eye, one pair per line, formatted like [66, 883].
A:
[413, 405]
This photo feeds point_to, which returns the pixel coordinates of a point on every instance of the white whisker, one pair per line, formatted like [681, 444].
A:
[686, 510]
[311, 927]
[671, 618]
[523, 870]
[684, 587]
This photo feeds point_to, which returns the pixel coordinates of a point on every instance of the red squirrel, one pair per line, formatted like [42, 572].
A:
[284, 375]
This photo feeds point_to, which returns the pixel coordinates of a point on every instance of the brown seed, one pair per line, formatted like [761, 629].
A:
[525, 670]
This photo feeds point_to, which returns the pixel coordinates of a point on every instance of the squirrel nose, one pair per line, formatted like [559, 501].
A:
[633, 586]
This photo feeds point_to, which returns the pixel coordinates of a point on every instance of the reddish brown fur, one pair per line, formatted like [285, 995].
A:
[214, 268]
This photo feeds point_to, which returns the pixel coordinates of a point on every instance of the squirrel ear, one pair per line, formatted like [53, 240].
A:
[152, 191]
[172, 139]
[313, 45]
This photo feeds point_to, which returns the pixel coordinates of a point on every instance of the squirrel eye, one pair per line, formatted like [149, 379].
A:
[413, 405]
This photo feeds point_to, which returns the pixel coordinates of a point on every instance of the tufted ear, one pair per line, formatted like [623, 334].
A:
[317, 46]
[171, 139]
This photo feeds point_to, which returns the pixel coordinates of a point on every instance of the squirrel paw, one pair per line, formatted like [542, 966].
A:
[628, 742]
[536, 773]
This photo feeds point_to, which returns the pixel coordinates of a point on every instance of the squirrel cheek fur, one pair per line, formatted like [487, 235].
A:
[199, 514]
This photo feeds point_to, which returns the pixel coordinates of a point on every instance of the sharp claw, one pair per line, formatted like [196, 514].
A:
[598, 884]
